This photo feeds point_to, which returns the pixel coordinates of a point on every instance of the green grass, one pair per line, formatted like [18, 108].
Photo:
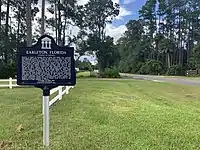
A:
[105, 115]
[6, 83]
[183, 77]
[83, 74]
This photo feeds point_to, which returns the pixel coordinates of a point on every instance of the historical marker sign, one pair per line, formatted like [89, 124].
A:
[46, 64]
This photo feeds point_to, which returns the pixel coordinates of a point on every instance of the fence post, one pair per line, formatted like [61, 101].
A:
[67, 90]
[10, 83]
[60, 93]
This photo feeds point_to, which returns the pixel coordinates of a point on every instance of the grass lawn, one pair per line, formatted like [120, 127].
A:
[105, 115]
[83, 74]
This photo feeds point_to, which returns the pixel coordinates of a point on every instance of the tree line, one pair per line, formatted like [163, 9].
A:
[17, 28]
[164, 40]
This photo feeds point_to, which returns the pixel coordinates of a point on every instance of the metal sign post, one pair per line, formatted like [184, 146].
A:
[46, 65]
[46, 93]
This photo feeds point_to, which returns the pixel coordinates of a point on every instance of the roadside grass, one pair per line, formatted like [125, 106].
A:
[83, 74]
[106, 115]
[126, 75]
[7, 83]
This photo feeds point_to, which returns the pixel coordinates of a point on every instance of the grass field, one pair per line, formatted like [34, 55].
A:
[105, 115]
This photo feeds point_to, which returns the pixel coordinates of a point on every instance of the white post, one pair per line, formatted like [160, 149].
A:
[43, 106]
[60, 93]
[67, 90]
[46, 121]
[10, 83]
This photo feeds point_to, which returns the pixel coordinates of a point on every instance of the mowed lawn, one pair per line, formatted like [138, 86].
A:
[105, 115]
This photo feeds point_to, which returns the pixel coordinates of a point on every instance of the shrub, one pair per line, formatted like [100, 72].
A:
[110, 73]
[93, 74]
[176, 70]
[143, 69]
[9, 70]
[86, 66]
[153, 67]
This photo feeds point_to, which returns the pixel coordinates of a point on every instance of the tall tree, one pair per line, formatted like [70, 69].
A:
[97, 13]
[7, 32]
[43, 17]
[29, 22]
[64, 15]
[0, 14]
[148, 14]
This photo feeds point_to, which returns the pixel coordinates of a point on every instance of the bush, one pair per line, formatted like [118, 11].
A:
[110, 73]
[93, 74]
[9, 70]
[176, 70]
[143, 69]
[86, 66]
[152, 67]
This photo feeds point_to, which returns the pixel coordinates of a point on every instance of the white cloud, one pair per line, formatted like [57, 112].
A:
[115, 32]
[116, 1]
[123, 12]
[128, 1]
[82, 2]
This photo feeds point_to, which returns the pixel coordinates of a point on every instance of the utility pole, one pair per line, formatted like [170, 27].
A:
[42, 17]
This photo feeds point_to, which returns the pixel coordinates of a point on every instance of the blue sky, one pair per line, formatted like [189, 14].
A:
[132, 6]
[128, 11]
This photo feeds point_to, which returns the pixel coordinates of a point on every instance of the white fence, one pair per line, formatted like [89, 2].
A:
[61, 92]
[10, 83]
[59, 89]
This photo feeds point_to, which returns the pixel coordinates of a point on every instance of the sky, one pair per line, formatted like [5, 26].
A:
[128, 11]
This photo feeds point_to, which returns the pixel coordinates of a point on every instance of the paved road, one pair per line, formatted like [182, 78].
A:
[179, 80]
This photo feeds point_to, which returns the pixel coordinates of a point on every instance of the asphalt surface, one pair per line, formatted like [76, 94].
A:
[178, 80]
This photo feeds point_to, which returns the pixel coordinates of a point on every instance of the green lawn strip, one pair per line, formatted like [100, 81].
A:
[124, 114]
[182, 77]
[83, 74]
[7, 83]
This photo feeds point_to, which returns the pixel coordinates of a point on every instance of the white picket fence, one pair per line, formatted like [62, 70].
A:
[58, 89]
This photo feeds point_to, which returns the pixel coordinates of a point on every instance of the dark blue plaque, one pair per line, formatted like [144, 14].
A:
[46, 64]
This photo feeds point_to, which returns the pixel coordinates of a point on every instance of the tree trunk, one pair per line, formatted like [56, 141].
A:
[29, 23]
[158, 56]
[0, 15]
[6, 32]
[18, 26]
[56, 24]
[179, 38]
[43, 18]
[64, 28]
[168, 60]
[59, 24]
